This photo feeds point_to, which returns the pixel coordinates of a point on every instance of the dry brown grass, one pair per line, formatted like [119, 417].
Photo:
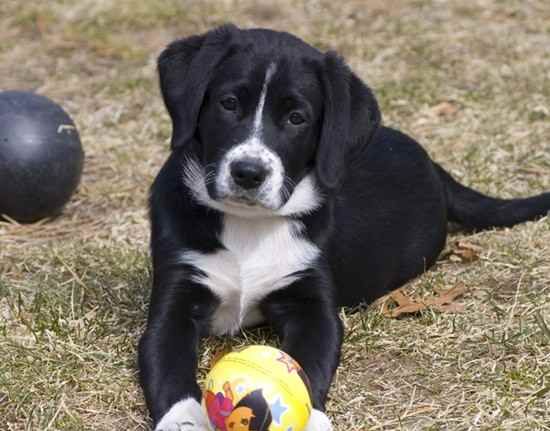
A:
[73, 291]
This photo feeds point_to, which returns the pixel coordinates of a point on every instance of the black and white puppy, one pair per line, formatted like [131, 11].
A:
[283, 198]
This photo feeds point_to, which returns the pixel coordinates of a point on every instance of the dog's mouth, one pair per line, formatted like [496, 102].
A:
[234, 196]
[242, 201]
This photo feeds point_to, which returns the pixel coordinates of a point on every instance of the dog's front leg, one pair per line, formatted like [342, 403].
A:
[168, 353]
[311, 332]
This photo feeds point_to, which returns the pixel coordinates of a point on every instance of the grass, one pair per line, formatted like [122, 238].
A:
[74, 290]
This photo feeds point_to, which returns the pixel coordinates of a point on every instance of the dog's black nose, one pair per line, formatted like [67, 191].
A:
[248, 174]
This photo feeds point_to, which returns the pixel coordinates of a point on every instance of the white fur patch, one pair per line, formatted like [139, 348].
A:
[304, 199]
[318, 421]
[261, 256]
[185, 415]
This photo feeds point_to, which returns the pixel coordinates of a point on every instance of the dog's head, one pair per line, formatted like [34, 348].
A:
[264, 121]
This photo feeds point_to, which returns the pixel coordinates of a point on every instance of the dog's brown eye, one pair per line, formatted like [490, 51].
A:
[229, 103]
[296, 118]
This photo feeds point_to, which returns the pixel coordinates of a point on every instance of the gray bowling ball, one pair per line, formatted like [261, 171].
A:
[41, 156]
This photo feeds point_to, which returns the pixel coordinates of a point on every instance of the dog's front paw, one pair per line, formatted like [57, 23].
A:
[186, 415]
[318, 421]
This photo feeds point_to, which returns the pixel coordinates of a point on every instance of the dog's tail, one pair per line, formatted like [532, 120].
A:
[474, 210]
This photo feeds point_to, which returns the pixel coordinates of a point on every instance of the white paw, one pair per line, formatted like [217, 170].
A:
[186, 415]
[318, 421]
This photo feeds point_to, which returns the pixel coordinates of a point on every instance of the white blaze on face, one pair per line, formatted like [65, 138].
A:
[257, 129]
[269, 193]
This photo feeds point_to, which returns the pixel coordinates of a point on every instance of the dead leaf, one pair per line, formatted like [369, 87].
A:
[411, 308]
[455, 307]
[445, 109]
[469, 245]
[399, 297]
[463, 251]
[448, 296]
[443, 302]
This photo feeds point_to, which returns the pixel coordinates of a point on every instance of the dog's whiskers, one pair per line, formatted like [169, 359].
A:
[287, 184]
[290, 181]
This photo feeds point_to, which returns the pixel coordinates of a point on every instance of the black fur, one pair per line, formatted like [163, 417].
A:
[351, 116]
[383, 219]
[185, 68]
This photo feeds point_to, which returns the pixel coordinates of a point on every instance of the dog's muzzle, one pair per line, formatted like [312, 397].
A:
[248, 181]
[250, 174]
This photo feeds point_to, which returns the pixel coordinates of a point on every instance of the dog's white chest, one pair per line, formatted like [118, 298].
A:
[261, 256]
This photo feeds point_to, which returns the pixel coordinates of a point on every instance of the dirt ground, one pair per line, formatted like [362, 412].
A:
[469, 80]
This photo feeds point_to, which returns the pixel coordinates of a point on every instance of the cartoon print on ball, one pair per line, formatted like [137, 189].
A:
[219, 406]
[252, 412]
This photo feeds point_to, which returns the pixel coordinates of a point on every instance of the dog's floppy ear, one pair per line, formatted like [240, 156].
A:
[350, 118]
[185, 69]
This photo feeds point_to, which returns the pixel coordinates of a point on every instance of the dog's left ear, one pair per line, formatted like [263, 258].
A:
[185, 69]
[350, 118]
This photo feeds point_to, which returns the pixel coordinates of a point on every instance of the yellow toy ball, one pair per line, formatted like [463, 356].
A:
[259, 388]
